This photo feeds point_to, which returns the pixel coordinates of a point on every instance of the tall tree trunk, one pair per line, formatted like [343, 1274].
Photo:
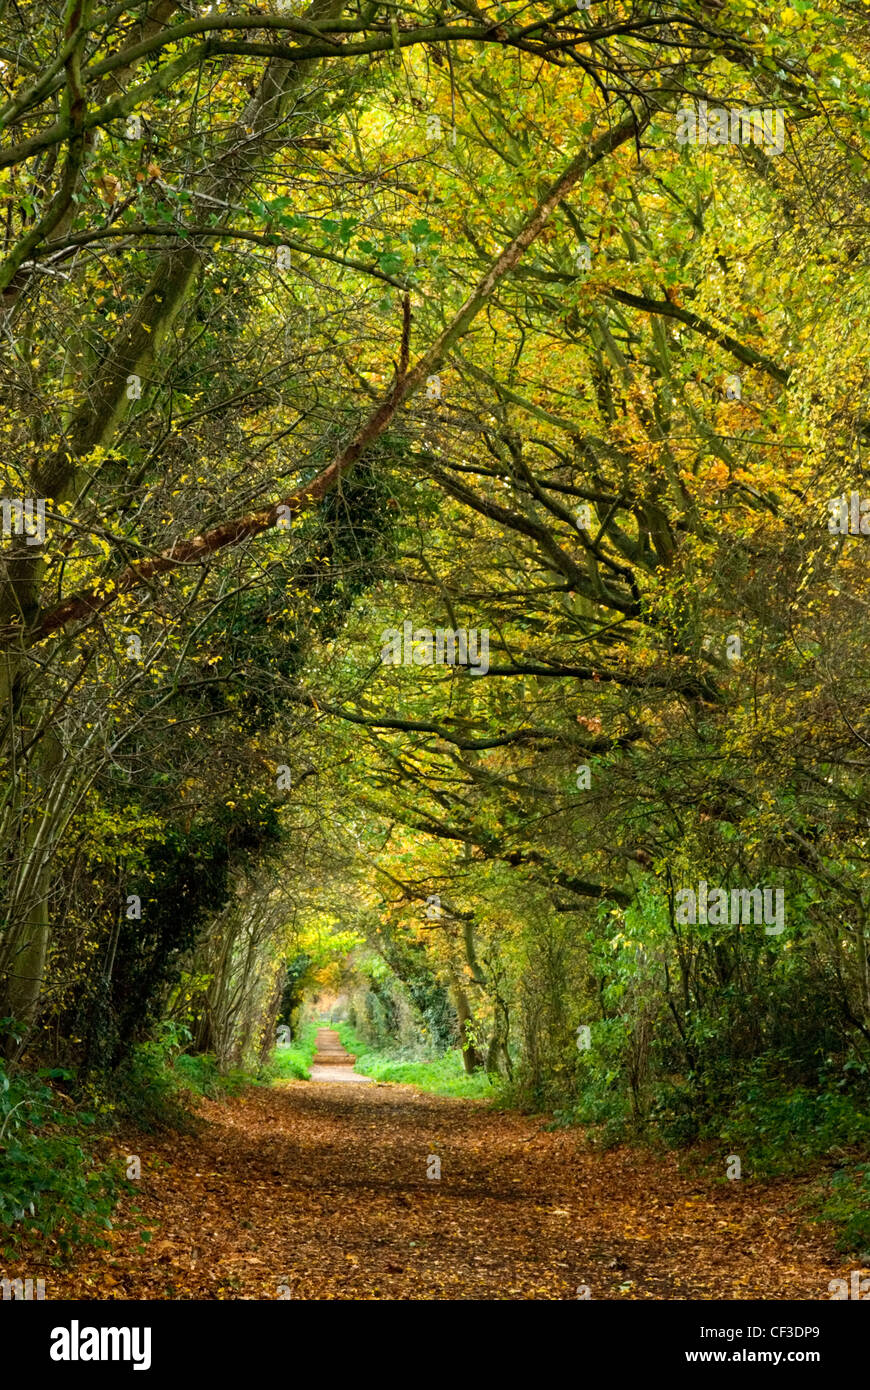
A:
[471, 1058]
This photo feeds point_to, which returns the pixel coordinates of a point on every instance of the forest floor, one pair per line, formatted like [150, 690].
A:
[319, 1190]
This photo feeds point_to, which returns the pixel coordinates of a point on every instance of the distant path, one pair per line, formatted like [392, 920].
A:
[321, 1192]
[332, 1062]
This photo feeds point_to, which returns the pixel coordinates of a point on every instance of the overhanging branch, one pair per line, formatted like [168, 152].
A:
[231, 533]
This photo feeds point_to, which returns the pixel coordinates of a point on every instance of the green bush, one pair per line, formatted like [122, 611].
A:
[153, 1086]
[848, 1205]
[146, 1089]
[675, 1112]
[783, 1132]
[51, 1179]
[198, 1073]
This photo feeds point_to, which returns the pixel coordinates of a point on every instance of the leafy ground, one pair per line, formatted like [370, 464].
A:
[320, 1191]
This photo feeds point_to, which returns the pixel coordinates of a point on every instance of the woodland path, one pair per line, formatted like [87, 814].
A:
[321, 1191]
[332, 1061]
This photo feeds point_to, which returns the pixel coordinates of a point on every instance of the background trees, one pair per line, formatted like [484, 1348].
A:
[315, 322]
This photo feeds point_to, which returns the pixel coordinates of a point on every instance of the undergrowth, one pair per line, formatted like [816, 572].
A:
[442, 1075]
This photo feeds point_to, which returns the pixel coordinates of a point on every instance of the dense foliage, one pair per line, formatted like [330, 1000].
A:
[328, 328]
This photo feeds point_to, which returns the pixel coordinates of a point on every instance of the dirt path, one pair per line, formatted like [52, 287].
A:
[321, 1191]
[332, 1062]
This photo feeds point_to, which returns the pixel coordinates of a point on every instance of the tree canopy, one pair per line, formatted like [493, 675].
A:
[329, 330]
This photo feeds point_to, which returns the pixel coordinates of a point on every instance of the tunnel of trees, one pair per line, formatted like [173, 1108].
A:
[329, 329]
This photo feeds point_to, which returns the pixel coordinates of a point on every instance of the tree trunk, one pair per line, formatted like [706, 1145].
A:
[471, 1058]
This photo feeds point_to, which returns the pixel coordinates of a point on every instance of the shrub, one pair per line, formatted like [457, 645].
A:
[51, 1180]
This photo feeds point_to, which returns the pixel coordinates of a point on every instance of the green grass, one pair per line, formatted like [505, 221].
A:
[294, 1063]
[200, 1074]
[442, 1076]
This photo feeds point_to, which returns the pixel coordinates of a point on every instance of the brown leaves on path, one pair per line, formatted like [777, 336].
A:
[320, 1191]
